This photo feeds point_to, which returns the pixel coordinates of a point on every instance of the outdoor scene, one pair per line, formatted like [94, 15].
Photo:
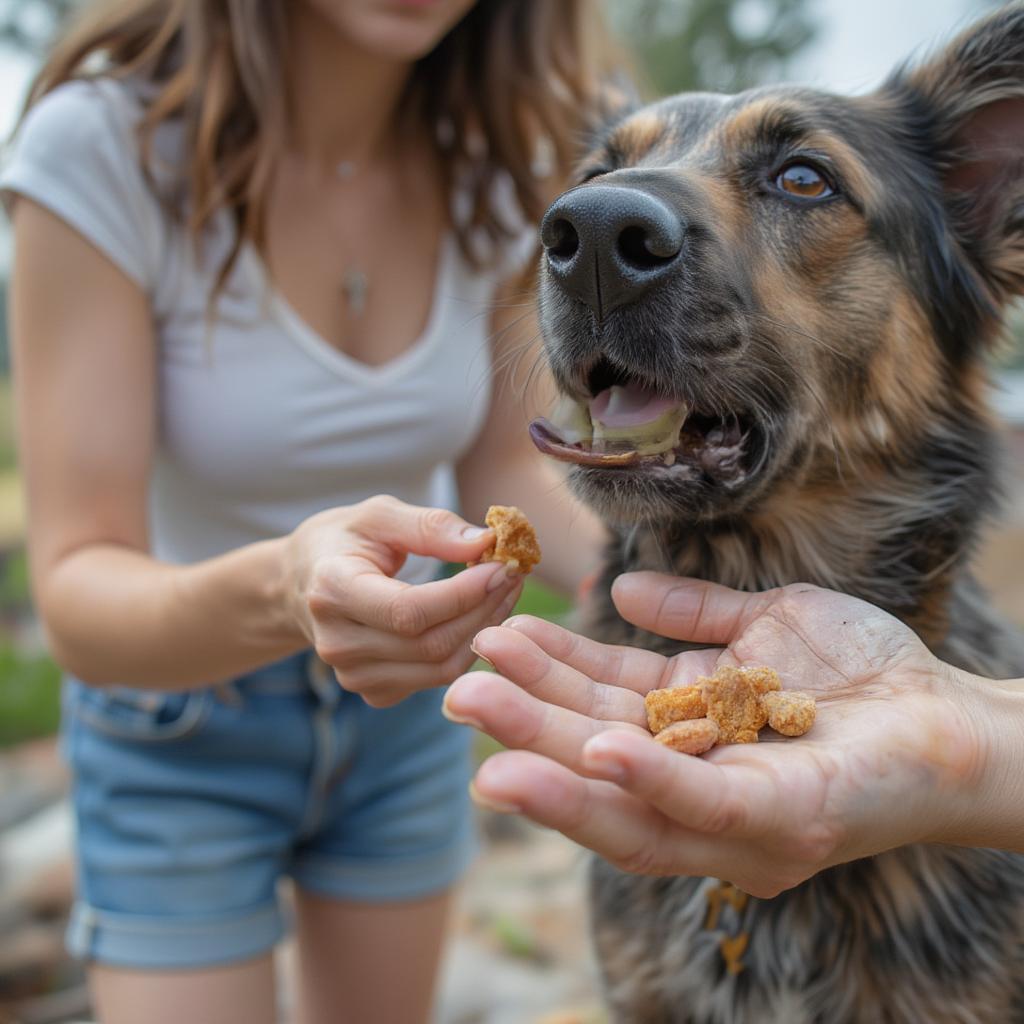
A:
[520, 953]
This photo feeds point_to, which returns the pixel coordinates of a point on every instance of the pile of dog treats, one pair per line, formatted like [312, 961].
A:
[731, 706]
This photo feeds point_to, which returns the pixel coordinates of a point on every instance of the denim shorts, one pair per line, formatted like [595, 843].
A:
[192, 806]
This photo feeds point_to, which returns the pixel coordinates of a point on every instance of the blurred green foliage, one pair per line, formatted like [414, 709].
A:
[29, 695]
[14, 583]
[537, 599]
[712, 45]
[8, 455]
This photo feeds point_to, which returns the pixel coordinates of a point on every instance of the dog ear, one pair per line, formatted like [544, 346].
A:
[969, 100]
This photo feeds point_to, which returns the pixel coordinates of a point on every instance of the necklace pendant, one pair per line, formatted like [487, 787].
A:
[355, 285]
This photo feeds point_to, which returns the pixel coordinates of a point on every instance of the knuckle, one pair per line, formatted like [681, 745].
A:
[811, 849]
[346, 680]
[726, 816]
[330, 652]
[408, 618]
[381, 502]
[319, 604]
[336, 647]
[641, 861]
[321, 595]
[436, 520]
[435, 646]
[376, 507]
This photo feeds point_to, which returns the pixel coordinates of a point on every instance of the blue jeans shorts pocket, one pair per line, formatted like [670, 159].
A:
[136, 714]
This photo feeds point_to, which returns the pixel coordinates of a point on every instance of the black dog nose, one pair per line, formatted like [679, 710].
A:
[607, 244]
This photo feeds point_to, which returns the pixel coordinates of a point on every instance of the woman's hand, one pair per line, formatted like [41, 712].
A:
[893, 757]
[386, 639]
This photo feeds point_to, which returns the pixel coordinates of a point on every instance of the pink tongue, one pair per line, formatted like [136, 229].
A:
[629, 406]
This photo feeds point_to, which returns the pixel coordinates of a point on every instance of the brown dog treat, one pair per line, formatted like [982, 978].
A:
[515, 542]
[789, 712]
[734, 701]
[763, 678]
[694, 736]
[745, 736]
[675, 704]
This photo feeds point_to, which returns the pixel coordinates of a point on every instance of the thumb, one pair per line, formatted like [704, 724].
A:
[434, 532]
[686, 609]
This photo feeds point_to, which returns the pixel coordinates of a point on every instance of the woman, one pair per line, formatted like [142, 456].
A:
[256, 244]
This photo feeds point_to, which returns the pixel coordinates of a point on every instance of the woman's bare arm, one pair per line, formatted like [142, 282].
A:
[85, 374]
[84, 359]
[504, 468]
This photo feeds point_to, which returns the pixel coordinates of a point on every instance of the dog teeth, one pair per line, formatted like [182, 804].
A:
[716, 435]
[670, 458]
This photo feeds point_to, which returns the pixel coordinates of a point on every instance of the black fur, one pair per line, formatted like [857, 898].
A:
[849, 337]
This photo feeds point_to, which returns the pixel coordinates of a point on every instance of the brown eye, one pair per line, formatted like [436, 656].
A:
[803, 181]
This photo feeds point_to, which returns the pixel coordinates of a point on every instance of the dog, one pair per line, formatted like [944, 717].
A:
[796, 295]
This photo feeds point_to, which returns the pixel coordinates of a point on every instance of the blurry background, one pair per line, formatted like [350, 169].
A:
[519, 955]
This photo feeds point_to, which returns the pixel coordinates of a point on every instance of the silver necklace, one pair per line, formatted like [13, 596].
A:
[355, 284]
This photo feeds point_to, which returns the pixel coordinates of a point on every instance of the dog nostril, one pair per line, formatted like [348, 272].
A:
[639, 250]
[562, 241]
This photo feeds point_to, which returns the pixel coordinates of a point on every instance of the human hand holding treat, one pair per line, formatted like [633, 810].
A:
[384, 638]
[894, 756]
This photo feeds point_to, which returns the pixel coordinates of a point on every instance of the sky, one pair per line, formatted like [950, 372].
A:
[861, 40]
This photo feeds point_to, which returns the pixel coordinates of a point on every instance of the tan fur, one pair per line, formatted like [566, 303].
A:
[842, 344]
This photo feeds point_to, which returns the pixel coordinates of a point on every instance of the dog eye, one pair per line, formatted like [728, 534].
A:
[804, 181]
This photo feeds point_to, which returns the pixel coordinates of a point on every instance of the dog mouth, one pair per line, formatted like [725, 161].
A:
[628, 424]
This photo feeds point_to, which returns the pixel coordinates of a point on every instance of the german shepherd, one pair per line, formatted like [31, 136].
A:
[779, 308]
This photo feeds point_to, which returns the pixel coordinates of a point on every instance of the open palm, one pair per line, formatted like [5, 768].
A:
[891, 752]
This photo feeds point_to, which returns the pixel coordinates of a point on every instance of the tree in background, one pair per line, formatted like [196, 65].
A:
[682, 44]
[712, 45]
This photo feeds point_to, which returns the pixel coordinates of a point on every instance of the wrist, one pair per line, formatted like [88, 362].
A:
[277, 593]
[992, 797]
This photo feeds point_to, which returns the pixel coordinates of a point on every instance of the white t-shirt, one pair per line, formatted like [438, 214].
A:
[261, 421]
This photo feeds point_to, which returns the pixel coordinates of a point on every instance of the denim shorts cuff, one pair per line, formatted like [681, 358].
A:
[172, 943]
[385, 881]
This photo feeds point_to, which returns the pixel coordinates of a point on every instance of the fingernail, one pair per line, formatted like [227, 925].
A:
[459, 719]
[501, 806]
[473, 532]
[482, 657]
[499, 579]
[604, 763]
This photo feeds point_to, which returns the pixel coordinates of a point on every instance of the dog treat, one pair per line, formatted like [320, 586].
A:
[790, 712]
[694, 736]
[733, 698]
[731, 706]
[675, 704]
[762, 678]
[515, 542]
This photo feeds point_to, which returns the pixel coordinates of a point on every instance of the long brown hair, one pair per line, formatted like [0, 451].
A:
[511, 75]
